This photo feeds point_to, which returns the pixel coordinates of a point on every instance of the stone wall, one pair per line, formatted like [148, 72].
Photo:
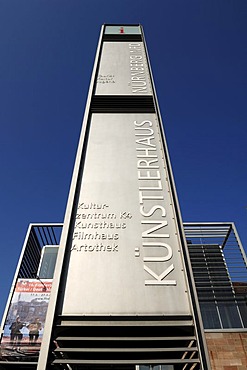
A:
[227, 351]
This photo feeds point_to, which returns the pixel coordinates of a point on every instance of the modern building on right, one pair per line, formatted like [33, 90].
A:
[219, 265]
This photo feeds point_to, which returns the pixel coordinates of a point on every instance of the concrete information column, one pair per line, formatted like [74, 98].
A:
[125, 252]
[122, 253]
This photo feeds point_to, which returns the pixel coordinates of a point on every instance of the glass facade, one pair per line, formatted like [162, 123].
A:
[127, 30]
[47, 262]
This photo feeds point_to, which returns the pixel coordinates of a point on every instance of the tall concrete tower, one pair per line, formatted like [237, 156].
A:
[123, 295]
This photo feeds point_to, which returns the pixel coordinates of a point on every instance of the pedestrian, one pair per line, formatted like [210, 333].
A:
[15, 333]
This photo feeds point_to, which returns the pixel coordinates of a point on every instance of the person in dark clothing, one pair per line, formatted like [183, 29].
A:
[15, 332]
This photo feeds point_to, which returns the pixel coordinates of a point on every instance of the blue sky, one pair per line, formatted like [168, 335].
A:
[198, 55]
